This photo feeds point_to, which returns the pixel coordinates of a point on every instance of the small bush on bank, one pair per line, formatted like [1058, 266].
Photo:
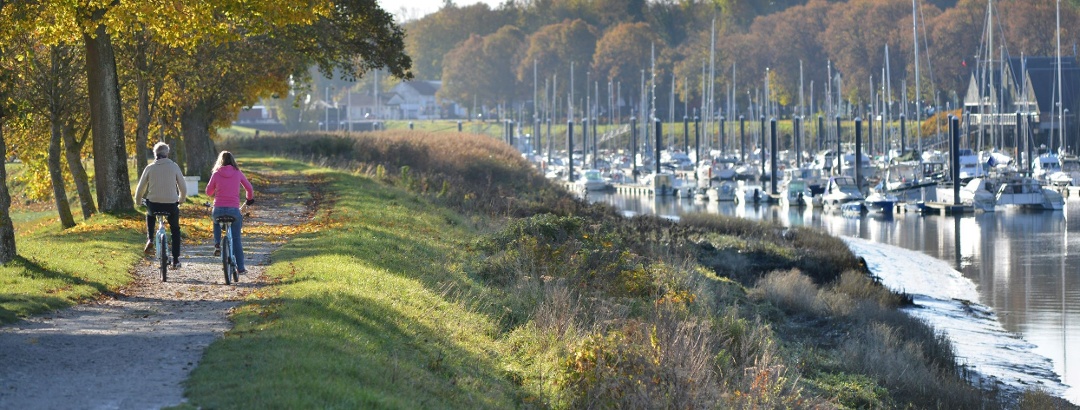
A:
[791, 291]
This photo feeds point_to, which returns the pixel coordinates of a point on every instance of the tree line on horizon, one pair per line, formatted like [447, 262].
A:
[489, 56]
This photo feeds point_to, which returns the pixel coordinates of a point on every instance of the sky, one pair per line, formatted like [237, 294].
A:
[410, 9]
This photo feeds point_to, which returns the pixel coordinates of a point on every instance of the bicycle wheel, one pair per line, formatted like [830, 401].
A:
[233, 269]
[226, 252]
[163, 256]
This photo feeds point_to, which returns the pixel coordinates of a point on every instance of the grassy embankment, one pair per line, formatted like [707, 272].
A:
[464, 281]
[445, 274]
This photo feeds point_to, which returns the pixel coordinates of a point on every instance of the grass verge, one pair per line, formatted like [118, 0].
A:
[56, 269]
[360, 316]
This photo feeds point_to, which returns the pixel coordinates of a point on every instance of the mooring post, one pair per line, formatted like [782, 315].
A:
[839, 150]
[686, 134]
[697, 144]
[820, 133]
[570, 148]
[659, 133]
[762, 142]
[954, 156]
[595, 141]
[1019, 140]
[742, 138]
[773, 156]
[797, 129]
[858, 152]
[585, 141]
[869, 136]
[633, 148]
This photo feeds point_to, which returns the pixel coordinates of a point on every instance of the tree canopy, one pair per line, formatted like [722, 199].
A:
[68, 70]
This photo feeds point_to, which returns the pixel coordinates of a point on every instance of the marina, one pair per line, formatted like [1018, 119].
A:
[984, 187]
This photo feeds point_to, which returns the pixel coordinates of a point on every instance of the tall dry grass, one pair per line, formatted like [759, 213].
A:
[466, 171]
[899, 352]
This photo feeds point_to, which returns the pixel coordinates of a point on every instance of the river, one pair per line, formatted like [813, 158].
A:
[1024, 266]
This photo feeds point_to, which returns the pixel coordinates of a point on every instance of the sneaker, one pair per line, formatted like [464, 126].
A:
[242, 271]
[149, 248]
[217, 250]
[176, 265]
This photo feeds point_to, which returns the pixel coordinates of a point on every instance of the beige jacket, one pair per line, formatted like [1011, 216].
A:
[161, 182]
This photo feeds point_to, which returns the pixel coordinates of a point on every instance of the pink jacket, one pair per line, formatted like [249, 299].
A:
[224, 186]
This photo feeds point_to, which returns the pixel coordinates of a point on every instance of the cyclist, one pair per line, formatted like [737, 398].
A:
[162, 188]
[224, 186]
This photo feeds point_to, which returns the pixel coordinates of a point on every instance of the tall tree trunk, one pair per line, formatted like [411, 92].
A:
[199, 149]
[107, 123]
[7, 229]
[142, 122]
[73, 152]
[56, 174]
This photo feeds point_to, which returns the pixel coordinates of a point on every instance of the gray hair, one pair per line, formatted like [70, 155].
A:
[161, 150]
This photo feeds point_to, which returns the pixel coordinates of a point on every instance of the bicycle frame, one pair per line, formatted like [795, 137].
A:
[161, 245]
[228, 258]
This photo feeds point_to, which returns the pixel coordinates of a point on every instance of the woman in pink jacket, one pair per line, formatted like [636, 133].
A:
[224, 186]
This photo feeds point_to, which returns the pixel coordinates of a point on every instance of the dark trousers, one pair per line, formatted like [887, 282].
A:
[173, 210]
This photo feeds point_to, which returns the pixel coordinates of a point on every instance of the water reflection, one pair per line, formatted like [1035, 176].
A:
[1025, 264]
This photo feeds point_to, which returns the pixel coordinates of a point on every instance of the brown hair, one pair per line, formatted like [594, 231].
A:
[225, 158]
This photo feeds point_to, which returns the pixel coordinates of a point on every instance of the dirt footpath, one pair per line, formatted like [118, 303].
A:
[134, 351]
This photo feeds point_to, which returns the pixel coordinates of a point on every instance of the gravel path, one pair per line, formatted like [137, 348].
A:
[133, 351]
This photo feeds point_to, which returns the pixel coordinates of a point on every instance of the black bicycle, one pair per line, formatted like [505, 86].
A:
[161, 245]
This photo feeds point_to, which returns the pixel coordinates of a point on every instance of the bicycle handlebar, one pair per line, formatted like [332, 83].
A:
[242, 206]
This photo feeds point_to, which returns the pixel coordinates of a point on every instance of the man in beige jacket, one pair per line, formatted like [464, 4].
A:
[162, 188]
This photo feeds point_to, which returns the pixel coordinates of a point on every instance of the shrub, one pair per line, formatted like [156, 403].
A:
[647, 365]
[1038, 399]
[792, 291]
[852, 390]
[859, 285]
[901, 366]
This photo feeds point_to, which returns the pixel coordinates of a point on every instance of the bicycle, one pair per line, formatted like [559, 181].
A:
[161, 245]
[228, 260]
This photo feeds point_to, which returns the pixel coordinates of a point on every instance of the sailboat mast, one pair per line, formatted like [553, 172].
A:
[711, 104]
[888, 101]
[1061, 99]
[802, 115]
[918, 101]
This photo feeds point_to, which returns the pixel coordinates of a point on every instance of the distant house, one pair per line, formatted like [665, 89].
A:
[256, 114]
[363, 106]
[418, 99]
[1027, 85]
[408, 100]
[259, 117]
